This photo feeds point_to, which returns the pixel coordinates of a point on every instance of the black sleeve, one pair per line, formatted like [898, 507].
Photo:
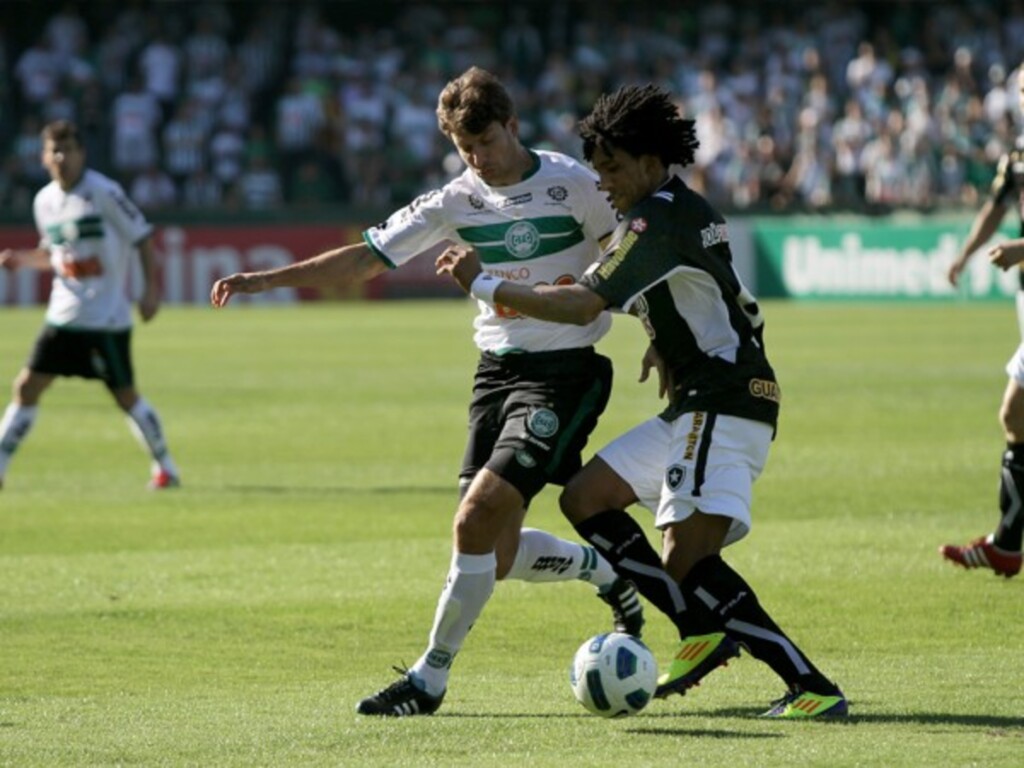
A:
[1004, 184]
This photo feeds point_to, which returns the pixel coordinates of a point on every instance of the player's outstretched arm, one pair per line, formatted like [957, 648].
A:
[149, 304]
[983, 227]
[16, 258]
[337, 268]
[1007, 254]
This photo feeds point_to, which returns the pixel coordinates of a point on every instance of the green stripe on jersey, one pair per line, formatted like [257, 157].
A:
[523, 239]
[85, 228]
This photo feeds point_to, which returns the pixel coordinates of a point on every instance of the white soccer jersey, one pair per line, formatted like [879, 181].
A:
[543, 230]
[91, 232]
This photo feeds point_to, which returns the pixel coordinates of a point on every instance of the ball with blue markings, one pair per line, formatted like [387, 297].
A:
[613, 675]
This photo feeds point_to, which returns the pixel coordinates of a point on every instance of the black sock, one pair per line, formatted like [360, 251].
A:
[712, 582]
[1011, 496]
[624, 544]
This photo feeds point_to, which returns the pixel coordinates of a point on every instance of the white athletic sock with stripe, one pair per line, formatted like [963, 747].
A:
[145, 425]
[470, 583]
[15, 425]
[544, 557]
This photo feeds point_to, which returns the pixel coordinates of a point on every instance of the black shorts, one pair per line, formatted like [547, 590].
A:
[532, 413]
[104, 355]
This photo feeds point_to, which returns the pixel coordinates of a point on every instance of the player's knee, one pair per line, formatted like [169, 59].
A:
[1011, 414]
[476, 526]
[125, 398]
[574, 501]
[686, 544]
[677, 558]
[18, 391]
[28, 388]
[1012, 421]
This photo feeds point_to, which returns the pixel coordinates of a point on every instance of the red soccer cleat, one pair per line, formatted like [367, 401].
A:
[163, 480]
[982, 553]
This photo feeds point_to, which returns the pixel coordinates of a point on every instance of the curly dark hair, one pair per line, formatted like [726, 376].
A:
[640, 120]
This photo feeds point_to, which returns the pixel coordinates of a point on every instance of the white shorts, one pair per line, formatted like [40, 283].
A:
[1015, 367]
[701, 461]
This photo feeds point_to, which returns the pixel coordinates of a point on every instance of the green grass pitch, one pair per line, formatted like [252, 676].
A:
[236, 621]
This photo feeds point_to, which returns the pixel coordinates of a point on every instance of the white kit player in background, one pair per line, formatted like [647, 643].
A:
[89, 233]
[534, 217]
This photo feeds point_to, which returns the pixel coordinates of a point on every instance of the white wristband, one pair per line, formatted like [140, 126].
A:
[484, 286]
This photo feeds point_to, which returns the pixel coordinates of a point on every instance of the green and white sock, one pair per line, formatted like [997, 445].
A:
[144, 423]
[15, 425]
[543, 557]
[470, 583]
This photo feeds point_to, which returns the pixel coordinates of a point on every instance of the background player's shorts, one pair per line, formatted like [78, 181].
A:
[104, 355]
[701, 461]
[531, 415]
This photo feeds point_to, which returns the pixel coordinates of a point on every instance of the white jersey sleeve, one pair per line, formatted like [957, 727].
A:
[411, 230]
[120, 212]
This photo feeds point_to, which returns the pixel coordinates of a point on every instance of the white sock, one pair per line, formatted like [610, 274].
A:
[470, 584]
[145, 425]
[543, 557]
[15, 425]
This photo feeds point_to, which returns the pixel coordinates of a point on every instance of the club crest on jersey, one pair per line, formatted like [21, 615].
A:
[69, 231]
[476, 202]
[558, 194]
[522, 240]
[675, 476]
[542, 422]
[638, 225]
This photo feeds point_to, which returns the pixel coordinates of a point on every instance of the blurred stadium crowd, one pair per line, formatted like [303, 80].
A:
[254, 105]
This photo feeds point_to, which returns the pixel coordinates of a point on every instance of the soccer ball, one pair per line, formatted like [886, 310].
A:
[613, 675]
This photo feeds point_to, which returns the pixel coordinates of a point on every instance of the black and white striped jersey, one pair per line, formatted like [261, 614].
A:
[671, 267]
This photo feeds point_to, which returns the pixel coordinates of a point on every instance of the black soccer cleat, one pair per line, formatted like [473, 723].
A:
[627, 610]
[400, 699]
